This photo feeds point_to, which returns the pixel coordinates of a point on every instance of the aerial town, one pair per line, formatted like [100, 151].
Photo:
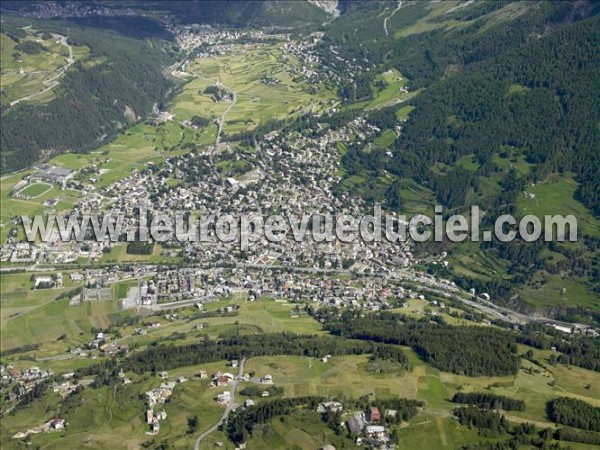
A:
[227, 225]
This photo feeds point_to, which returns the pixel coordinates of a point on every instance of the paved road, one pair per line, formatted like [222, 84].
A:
[230, 406]
[51, 83]
[222, 118]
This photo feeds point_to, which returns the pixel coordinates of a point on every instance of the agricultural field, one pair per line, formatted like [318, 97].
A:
[33, 74]
[250, 71]
[29, 316]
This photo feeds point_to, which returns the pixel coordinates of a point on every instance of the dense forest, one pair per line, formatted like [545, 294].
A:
[241, 422]
[472, 351]
[582, 351]
[494, 423]
[574, 413]
[92, 102]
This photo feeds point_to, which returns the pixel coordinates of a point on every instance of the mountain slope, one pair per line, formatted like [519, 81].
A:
[509, 98]
[284, 13]
[120, 79]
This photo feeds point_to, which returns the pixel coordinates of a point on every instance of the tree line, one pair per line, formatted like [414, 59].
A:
[574, 413]
[489, 401]
[168, 356]
[242, 422]
[472, 351]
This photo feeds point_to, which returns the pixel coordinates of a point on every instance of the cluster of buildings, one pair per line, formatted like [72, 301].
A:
[52, 10]
[255, 283]
[291, 174]
[54, 280]
[156, 397]
[16, 382]
[19, 252]
[366, 427]
[312, 67]
[52, 174]
[206, 40]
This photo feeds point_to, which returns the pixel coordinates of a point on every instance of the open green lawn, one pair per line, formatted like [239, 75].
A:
[119, 254]
[253, 317]
[546, 290]
[392, 93]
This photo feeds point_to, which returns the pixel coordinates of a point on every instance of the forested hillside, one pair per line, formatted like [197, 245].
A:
[507, 99]
[119, 82]
[225, 12]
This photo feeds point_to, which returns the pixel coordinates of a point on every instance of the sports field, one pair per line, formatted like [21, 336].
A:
[34, 190]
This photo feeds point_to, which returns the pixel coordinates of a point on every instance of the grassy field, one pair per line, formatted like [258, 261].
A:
[36, 316]
[119, 254]
[34, 190]
[546, 290]
[253, 317]
[24, 74]
[556, 196]
[113, 417]
[243, 71]
[393, 92]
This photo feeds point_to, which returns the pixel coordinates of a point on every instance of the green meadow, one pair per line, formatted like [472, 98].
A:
[29, 316]
[243, 71]
[24, 74]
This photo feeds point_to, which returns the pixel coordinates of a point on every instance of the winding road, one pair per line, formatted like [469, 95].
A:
[52, 82]
[390, 16]
[230, 407]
